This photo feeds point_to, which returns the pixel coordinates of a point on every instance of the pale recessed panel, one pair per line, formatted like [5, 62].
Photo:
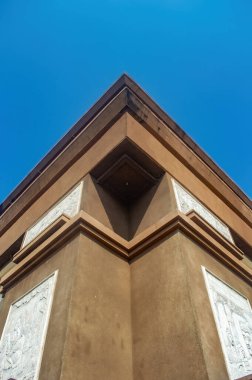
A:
[69, 205]
[187, 202]
[22, 341]
[233, 317]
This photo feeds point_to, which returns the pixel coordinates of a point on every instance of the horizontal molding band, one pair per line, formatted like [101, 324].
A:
[83, 223]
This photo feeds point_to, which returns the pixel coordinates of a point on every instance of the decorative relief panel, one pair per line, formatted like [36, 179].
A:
[233, 317]
[23, 337]
[69, 205]
[187, 202]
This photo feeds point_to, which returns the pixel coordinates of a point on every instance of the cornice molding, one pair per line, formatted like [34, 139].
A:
[45, 234]
[231, 247]
[127, 250]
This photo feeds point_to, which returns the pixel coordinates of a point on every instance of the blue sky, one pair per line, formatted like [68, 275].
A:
[57, 58]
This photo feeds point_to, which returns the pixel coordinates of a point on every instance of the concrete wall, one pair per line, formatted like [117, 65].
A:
[166, 342]
[144, 320]
[89, 334]
[99, 341]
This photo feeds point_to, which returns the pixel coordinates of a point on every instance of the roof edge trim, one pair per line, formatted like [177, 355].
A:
[112, 92]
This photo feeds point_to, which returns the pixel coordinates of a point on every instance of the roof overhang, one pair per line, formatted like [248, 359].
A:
[124, 95]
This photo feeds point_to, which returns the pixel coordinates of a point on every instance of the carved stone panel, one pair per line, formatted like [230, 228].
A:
[23, 337]
[187, 202]
[69, 205]
[233, 317]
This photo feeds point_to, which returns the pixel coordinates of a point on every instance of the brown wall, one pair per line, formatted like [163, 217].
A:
[166, 343]
[102, 206]
[126, 126]
[152, 206]
[178, 170]
[174, 332]
[194, 258]
[89, 333]
[99, 343]
[128, 221]
[147, 320]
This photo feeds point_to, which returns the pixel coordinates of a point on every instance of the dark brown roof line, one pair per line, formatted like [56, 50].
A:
[133, 86]
[122, 82]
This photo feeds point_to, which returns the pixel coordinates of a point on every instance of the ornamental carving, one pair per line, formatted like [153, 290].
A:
[23, 337]
[187, 202]
[233, 317]
[69, 206]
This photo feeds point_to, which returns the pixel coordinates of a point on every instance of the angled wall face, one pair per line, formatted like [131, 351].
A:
[98, 342]
[130, 300]
[166, 343]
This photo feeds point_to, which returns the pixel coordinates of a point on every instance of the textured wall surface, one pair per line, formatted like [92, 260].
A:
[98, 343]
[166, 343]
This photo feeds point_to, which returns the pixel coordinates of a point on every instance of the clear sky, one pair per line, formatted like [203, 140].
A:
[57, 57]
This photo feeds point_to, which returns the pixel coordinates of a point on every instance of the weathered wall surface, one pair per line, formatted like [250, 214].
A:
[166, 342]
[99, 341]
[147, 319]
